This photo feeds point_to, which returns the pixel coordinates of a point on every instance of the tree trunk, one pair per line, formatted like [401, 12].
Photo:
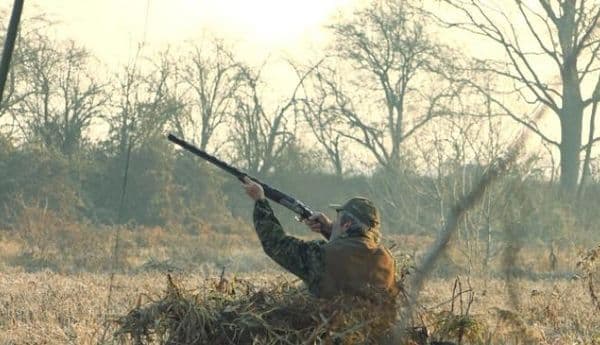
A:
[571, 115]
[570, 129]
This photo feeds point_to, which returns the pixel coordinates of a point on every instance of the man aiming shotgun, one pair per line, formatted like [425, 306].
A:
[351, 261]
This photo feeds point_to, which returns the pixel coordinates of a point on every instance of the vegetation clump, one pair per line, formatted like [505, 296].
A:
[241, 313]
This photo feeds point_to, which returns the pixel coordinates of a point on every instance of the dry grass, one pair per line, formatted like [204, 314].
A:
[278, 314]
[51, 308]
[44, 300]
[550, 312]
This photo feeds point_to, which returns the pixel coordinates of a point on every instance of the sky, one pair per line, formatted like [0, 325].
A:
[112, 29]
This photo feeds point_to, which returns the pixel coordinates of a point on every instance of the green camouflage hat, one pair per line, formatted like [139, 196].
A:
[361, 208]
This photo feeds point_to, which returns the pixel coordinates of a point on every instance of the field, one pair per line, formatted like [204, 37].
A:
[48, 307]
[471, 125]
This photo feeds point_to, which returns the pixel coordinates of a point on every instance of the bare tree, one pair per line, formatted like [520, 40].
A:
[562, 34]
[13, 89]
[395, 87]
[322, 116]
[260, 136]
[63, 94]
[212, 75]
[146, 101]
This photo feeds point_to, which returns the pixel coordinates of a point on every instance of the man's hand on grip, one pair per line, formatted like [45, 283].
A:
[254, 190]
[319, 222]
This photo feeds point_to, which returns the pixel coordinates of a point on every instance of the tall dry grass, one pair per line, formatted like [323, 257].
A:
[53, 308]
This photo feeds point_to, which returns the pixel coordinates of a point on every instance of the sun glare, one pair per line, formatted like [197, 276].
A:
[270, 21]
[113, 28]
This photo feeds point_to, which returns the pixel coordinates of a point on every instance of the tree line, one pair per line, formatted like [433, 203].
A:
[392, 105]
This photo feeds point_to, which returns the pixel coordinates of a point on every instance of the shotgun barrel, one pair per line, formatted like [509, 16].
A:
[285, 200]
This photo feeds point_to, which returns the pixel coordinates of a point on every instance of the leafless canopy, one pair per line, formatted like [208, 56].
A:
[398, 88]
[211, 76]
[561, 36]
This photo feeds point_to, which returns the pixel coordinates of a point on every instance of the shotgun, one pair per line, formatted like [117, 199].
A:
[285, 200]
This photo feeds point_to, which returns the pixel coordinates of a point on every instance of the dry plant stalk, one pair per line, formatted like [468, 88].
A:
[458, 210]
[458, 323]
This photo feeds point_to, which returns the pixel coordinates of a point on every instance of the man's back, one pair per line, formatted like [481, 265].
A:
[356, 265]
[352, 262]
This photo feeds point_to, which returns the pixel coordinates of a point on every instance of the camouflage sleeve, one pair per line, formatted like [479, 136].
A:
[326, 234]
[302, 258]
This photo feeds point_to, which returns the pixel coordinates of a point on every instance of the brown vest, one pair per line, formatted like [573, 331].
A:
[355, 266]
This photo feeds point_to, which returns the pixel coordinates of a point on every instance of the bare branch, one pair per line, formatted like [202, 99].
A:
[551, 52]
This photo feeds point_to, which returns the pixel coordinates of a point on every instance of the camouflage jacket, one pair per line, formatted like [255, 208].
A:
[301, 258]
[308, 260]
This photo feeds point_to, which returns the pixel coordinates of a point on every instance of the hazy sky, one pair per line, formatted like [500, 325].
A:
[112, 29]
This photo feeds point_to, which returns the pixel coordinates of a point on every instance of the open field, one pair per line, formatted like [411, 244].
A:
[482, 161]
[53, 308]
[52, 296]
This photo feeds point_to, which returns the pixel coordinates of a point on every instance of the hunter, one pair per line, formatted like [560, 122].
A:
[350, 262]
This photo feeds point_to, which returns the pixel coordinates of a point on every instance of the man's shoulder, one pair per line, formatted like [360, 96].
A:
[348, 243]
[356, 244]
[346, 240]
